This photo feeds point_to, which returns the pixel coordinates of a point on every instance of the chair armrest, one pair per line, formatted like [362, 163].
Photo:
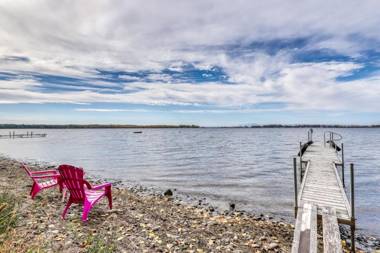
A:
[45, 172]
[98, 187]
[87, 184]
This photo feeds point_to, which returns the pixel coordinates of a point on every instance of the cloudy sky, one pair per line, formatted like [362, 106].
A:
[205, 62]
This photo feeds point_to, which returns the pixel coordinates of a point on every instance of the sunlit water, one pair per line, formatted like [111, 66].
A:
[249, 167]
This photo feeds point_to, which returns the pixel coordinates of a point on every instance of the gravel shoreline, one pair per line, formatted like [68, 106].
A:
[138, 222]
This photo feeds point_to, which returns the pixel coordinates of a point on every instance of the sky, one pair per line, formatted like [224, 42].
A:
[205, 62]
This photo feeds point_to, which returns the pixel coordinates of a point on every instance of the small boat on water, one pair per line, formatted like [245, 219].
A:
[137, 132]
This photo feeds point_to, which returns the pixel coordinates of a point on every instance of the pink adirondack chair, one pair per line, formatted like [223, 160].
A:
[42, 179]
[81, 191]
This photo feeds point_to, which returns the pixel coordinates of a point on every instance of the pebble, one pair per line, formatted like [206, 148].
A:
[273, 245]
[168, 193]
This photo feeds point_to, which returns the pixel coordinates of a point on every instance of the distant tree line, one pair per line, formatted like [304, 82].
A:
[310, 126]
[93, 126]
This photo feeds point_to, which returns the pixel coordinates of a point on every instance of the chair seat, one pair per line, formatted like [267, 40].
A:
[48, 183]
[93, 195]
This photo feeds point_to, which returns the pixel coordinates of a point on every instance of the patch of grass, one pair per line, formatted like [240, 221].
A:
[8, 215]
[96, 244]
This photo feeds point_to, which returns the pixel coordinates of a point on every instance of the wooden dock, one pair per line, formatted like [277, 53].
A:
[322, 195]
[13, 135]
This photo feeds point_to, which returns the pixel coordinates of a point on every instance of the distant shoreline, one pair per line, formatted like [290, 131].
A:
[121, 126]
[88, 126]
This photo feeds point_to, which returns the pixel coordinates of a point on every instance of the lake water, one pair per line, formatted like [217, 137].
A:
[249, 167]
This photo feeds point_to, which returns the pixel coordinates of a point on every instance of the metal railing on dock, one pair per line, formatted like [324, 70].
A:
[333, 137]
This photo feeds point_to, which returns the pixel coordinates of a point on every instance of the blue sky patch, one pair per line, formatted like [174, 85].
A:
[322, 55]
[186, 73]
[370, 60]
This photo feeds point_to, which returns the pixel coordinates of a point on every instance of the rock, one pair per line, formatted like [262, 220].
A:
[273, 245]
[232, 206]
[255, 245]
[262, 238]
[168, 193]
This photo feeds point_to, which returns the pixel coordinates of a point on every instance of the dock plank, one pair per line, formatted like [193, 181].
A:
[305, 233]
[331, 234]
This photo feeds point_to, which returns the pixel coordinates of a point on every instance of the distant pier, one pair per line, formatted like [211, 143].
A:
[13, 135]
[319, 170]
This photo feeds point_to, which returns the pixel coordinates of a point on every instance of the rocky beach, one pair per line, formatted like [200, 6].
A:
[138, 222]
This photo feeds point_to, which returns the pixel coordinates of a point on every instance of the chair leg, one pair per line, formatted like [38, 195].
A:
[64, 194]
[66, 208]
[109, 196]
[60, 185]
[35, 190]
[31, 190]
[86, 209]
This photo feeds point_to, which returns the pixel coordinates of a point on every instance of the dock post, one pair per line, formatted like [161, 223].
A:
[331, 137]
[295, 186]
[343, 166]
[301, 160]
[352, 208]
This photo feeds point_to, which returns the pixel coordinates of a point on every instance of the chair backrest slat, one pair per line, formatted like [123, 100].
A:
[72, 178]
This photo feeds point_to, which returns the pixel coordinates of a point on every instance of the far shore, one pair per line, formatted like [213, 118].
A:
[139, 222]
[131, 126]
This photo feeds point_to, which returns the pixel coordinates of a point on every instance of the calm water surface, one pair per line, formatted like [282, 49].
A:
[250, 167]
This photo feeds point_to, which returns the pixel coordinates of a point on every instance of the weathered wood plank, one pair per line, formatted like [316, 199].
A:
[323, 199]
[327, 202]
[305, 233]
[326, 187]
[331, 234]
[322, 195]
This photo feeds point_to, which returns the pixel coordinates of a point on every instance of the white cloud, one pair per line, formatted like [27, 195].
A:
[73, 38]
[293, 87]
[108, 110]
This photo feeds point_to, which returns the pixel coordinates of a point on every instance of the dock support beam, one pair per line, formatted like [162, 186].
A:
[352, 208]
[295, 186]
[343, 166]
[301, 160]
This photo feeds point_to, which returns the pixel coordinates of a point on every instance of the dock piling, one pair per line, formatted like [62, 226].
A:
[352, 208]
[295, 185]
[342, 147]
[301, 160]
